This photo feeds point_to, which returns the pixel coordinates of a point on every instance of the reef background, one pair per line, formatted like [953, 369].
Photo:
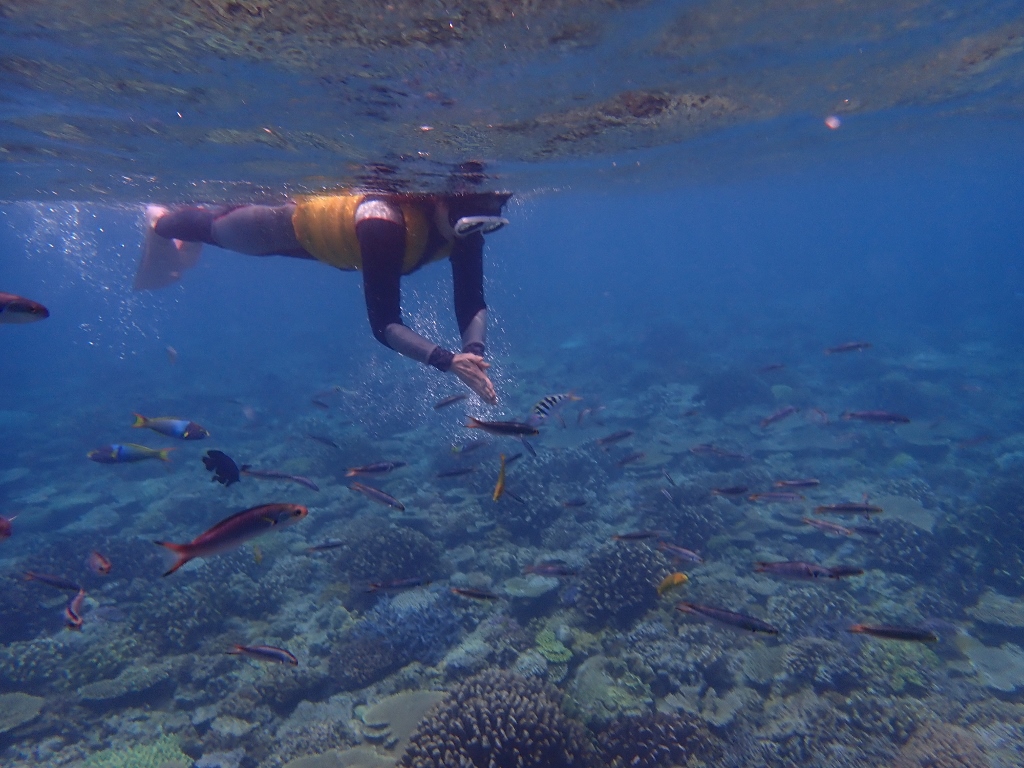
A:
[648, 303]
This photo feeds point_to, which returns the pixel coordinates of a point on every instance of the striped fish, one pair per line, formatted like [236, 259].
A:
[548, 405]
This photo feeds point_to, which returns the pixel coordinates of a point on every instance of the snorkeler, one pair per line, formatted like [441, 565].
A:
[384, 236]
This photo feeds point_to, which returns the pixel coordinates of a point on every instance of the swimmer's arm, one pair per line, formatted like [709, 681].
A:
[468, 285]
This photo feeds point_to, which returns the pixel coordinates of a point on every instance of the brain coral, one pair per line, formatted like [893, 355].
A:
[619, 583]
[497, 719]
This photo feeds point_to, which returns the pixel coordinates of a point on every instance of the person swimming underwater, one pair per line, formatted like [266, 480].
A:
[384, 236]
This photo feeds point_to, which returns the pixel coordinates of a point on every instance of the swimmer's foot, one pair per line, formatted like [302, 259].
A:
[163, 260]
[467, 225]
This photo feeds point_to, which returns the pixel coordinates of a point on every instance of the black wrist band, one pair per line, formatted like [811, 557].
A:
[441, 359]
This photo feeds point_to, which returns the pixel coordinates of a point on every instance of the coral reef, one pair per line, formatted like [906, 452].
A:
[162, 753]
[619, 583]
[377, 553]
[905, 548]
[605, 688]
[941, 745]
[418, 625]
[498, 720]
[358, 661]
[551, 648]
[17, 709]
[653, 741]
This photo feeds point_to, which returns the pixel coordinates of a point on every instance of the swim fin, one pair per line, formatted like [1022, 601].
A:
[163, 260]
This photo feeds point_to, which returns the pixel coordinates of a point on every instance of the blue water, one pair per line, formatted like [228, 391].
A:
[685, 287]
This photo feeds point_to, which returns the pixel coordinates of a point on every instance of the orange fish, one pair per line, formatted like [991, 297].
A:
[671, 581]
[73, 611]
[98, 564]
[499, 487]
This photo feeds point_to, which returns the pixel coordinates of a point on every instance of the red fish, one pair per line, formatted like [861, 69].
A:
[98, 564]
[827, 527]
[850, 346]
[550, 568]
[235, 530]
[795, 569]
[57, 582]
[474, 593]
[774, 496]
[265, 653]
[779, 415]
[680, 553]
[809, 482]
[73, 611]
[5, 527]
[876, 417]
[729, 618]
[19, 310]
[397, 585]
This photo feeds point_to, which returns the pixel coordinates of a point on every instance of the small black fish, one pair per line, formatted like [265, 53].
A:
[377, 495]
[614, 437]
[323, 440]
[893, 632]
[378, 468]
[474, 593]
[449, 401]
[729, 618]
[505, 428]
[456, 471]
[638, 535]
[528, 447]
[636, 456]
[326, 546]
[224, 469]
[732, 490]
[514, 497]
[273, 474]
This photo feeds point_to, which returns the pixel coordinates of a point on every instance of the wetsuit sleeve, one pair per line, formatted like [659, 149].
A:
[382, 246]
[468, 284]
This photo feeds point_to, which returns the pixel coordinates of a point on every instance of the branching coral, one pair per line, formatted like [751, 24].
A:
[619, 583]
[653, 741]
[498, 720]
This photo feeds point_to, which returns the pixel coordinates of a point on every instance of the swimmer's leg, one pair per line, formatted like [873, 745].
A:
[174, 238]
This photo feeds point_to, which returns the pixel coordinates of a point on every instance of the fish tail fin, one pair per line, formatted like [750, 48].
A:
[165, 453]
[856, 629]
[573, 397]
[473, 423]
[351, 473]
[140, 420]
[236, 650]
[180, 552]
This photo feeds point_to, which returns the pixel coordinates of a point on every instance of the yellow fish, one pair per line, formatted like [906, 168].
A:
[499, 487]
[670, 582]
[257, 554]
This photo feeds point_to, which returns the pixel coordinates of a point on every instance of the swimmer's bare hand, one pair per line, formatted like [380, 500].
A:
[472, 369]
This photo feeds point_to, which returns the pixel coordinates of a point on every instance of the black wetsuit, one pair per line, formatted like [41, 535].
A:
[382, 250]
